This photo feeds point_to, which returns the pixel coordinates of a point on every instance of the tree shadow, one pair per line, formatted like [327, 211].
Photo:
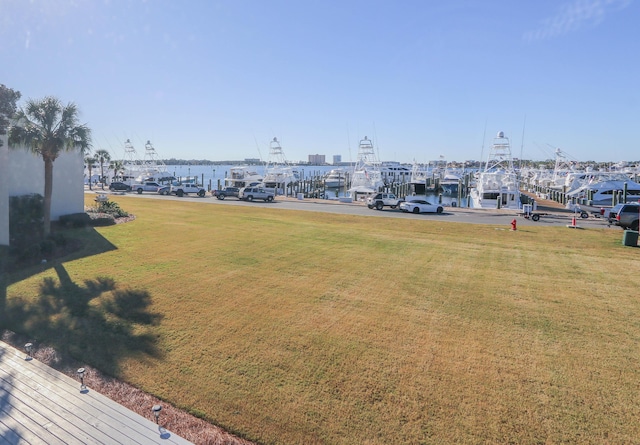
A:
[96, 321]
[8, 433]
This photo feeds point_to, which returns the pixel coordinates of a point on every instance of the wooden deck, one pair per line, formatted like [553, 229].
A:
[39, 405]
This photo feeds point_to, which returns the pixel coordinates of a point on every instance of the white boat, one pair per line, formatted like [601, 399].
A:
[366, 177]
[418, 179]
[242, 176]
[279, 173]
[394, 172]
[497, 184]
[148, 169]
[604, 189]
[335, 178]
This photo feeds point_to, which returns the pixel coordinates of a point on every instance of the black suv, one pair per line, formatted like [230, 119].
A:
[227, 191]
[120, 186]
[627, 216]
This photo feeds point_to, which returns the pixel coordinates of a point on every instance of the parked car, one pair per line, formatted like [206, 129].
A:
[382, 200]
[612, 213]
[251, 193]
[227, 191]
[628, 216]
[164, 190]
[187, 188]
[420, 206]
[119, 186]
[146, 187]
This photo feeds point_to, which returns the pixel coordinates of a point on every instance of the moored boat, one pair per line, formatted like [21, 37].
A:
[366, 177]
[497, 184]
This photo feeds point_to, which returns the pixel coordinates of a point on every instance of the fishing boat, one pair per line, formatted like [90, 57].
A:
[366, 177]
[336, 178]
[497, 184]
[149, 168]
[605, 188]
[279, 173]
[242, 176]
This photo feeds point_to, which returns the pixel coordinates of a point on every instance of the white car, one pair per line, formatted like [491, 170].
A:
[420, 206]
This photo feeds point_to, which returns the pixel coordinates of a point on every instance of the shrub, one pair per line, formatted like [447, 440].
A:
[26, 219]
[111, 208]
[101, 219]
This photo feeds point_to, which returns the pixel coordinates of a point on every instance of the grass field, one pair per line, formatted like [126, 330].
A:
[311, 328]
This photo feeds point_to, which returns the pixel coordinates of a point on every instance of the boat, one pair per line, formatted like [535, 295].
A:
[148, 169]
[242, 176]
[394, 172]
[606, 188]
[279, 173]
[418, 180]
[336, 178]
[366, 177]
[497, 184]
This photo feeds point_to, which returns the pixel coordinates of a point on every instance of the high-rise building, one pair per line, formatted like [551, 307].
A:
[317, 160]
[337, 159]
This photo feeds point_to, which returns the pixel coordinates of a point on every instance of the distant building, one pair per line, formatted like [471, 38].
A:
[317, 160]
[337, 159]
[252, 161]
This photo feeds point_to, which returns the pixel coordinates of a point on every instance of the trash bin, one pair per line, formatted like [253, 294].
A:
[630, 238]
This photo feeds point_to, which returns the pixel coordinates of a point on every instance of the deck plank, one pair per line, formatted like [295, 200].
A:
[41, 405]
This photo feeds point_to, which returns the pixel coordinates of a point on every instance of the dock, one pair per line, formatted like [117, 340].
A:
[39, 405]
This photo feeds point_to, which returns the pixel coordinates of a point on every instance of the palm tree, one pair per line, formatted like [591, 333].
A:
[47, 128]
[89, 161]
[118, 169]
[103, 157]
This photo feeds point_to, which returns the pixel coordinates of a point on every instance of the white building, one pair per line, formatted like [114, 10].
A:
[22, 173]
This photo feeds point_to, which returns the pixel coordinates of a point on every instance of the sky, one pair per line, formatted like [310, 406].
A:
[424, 79]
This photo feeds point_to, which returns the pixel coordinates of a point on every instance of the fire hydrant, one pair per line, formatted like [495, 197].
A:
[513, 224]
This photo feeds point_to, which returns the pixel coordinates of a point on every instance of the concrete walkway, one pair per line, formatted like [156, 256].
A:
[39, 405]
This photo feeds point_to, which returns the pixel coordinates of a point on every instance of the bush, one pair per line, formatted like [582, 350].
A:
[111, 208]
[101, 219]
[26, 220]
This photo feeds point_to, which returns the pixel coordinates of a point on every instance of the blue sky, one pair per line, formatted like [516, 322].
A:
[219, 79]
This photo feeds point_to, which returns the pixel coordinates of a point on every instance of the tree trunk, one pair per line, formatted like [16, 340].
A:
[48, 189]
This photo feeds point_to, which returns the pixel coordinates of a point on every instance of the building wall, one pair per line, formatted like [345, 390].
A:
[22, 173]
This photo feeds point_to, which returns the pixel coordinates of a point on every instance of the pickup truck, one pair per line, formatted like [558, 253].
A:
[146, 187]
[251, 193]
[187, 188]
[382, 200]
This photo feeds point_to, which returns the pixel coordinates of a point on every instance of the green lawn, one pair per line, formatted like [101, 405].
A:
[310, 328]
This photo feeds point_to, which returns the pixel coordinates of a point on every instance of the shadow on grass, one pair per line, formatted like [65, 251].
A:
[93, 321]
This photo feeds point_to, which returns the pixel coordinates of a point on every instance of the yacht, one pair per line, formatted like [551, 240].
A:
[148, 169]
[336, 178]
[497, 184]
[242, 176]
[366, 177]
[279, 173]
[604, 189]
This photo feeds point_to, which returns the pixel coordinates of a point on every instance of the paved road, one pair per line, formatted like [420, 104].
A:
[550, 217]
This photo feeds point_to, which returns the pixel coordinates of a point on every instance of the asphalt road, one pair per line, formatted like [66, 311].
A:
[498, 217]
